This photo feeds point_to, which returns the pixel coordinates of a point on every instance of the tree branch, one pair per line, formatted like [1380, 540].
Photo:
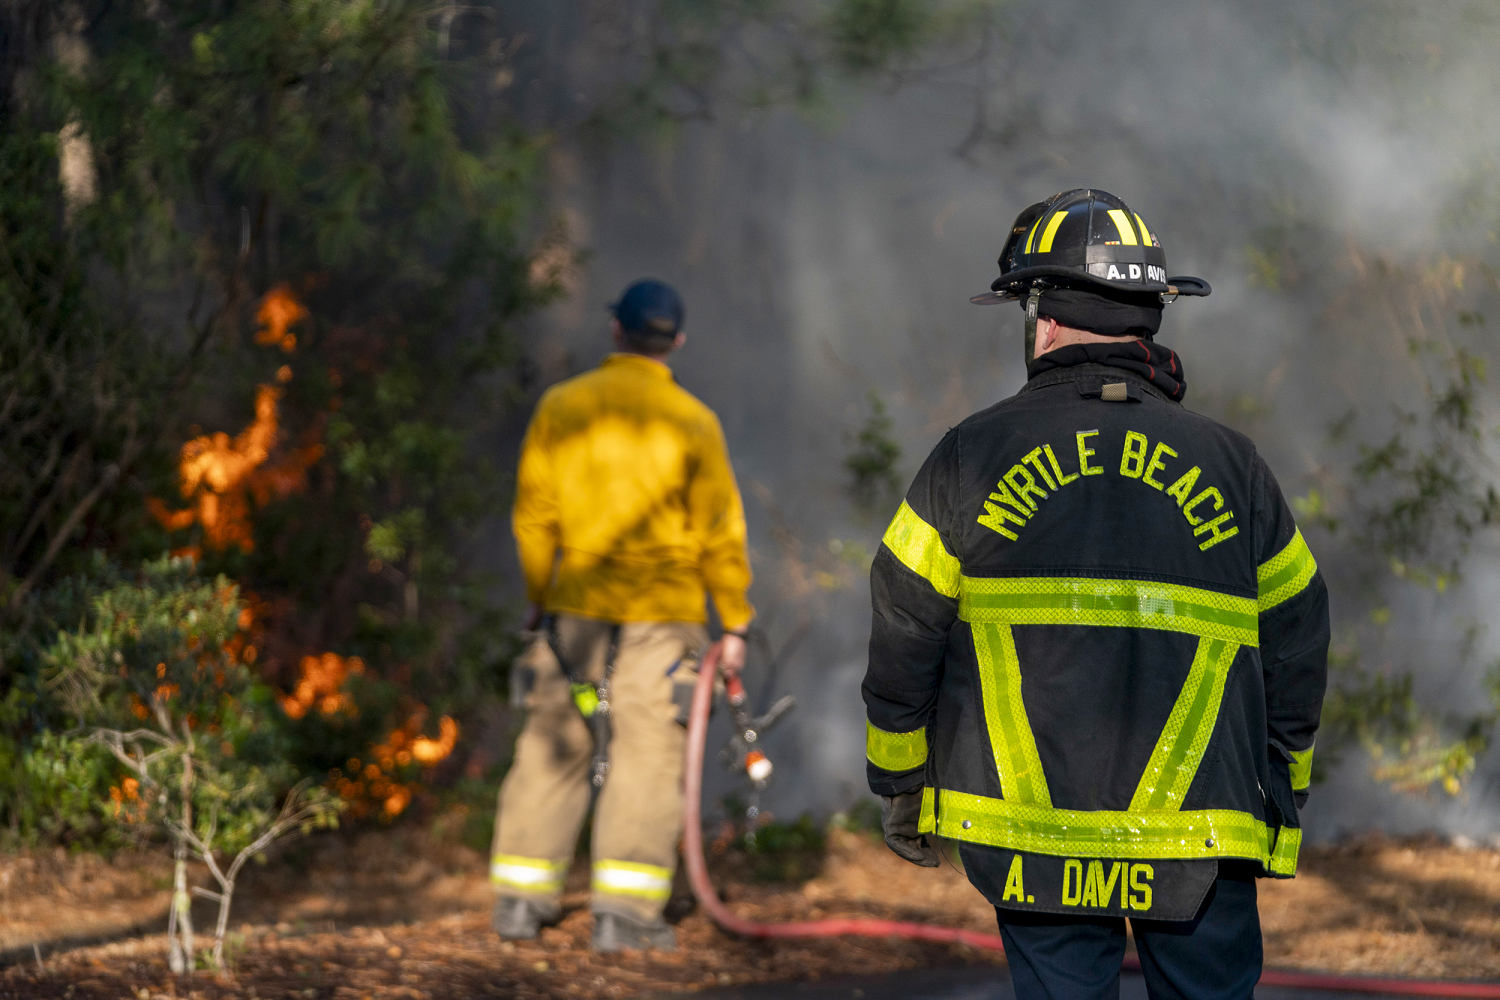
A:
[292, 814]
[64, 532]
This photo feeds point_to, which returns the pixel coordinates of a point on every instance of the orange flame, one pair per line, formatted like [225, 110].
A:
[431, 751]
[321, 685]
[126, 798]
[222, 478]
[383, 780]
[220, 475]
[378, 781]
[240, 646]
[278, 311]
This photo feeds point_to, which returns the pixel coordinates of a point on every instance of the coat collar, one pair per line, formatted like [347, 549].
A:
[638, 362]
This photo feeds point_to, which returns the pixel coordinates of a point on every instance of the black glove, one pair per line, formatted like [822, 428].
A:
[898, 820]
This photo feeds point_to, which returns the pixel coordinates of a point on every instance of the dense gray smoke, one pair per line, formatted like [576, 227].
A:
[1327, 166]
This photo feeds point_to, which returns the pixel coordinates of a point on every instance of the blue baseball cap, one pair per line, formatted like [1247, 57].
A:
[649, 306]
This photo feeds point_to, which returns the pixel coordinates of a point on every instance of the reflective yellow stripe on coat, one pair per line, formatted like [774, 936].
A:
[1179, 750]
[1049, 600]
[1121, 834]
[921, 550]
[1155, 824]
[1286, 574]
[1016, 758]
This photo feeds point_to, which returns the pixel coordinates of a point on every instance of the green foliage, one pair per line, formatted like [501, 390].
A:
[701, 59]
[1414, 749]
[1415, 502]
[1283, 253]
[1423, 492]
[861, 817]
[56, 790]
[340, 151]
[1313, 508]
[868, 35]
[401, 229]
[55, 782]
[152, 674]
[329, 149]
[875, 482]
[780, 852]
[149, 674]
[76, 379]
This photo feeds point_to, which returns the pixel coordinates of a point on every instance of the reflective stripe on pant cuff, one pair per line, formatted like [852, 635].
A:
[629, 878]
[527, 874]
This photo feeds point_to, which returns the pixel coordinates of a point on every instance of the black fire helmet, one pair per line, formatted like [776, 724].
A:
[1086, 239]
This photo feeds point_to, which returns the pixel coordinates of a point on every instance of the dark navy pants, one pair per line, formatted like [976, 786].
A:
[1215, 956]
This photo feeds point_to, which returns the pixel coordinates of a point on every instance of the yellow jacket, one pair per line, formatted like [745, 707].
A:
[626, 505]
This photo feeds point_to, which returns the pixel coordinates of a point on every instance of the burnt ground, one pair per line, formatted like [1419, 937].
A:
[404, 913]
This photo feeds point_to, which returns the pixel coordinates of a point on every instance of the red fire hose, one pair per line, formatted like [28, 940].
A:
[708, 897]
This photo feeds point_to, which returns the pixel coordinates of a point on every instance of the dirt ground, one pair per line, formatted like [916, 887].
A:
[400, 914]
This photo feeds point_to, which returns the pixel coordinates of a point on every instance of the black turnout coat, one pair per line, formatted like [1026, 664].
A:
[1099, 644]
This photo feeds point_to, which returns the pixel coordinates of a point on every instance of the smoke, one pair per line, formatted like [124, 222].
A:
[1314, 160]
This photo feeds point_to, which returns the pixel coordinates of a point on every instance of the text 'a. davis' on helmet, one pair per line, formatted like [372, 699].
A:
[1085, 238]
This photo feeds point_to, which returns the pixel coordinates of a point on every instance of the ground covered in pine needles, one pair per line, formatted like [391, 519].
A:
[405, 914]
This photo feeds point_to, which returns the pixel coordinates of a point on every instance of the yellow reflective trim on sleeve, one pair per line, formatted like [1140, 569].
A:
[630, 878]
[1286, 574]
[1045, 246]
[1146, 239]
[1283, 860]
[1047, 600]
[1179, 750]
[917, 544]
[895, 751]
[927, 818]
[1011, 738]
[1301, 769]
[1122, 223]
[1157, 834]
[527, 874]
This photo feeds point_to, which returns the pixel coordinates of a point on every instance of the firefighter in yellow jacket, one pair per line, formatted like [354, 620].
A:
[626, 515]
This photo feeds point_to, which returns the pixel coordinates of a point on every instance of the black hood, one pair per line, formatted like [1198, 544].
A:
[1157, 364]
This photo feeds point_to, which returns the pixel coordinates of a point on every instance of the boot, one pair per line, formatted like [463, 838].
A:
[516, 919]
[616, 932]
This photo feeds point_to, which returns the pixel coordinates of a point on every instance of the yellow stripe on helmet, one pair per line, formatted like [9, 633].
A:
[1146, 238]
[1031, 236]
[1122, 223]
[1045, 246]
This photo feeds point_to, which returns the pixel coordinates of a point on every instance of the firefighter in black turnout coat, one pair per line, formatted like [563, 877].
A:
[1099, 642]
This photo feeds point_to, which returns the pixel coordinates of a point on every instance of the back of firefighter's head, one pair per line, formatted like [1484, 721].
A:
[1086, 260]
[648, 318]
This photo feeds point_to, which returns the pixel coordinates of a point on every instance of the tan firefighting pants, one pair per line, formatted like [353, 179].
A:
[545, 796]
